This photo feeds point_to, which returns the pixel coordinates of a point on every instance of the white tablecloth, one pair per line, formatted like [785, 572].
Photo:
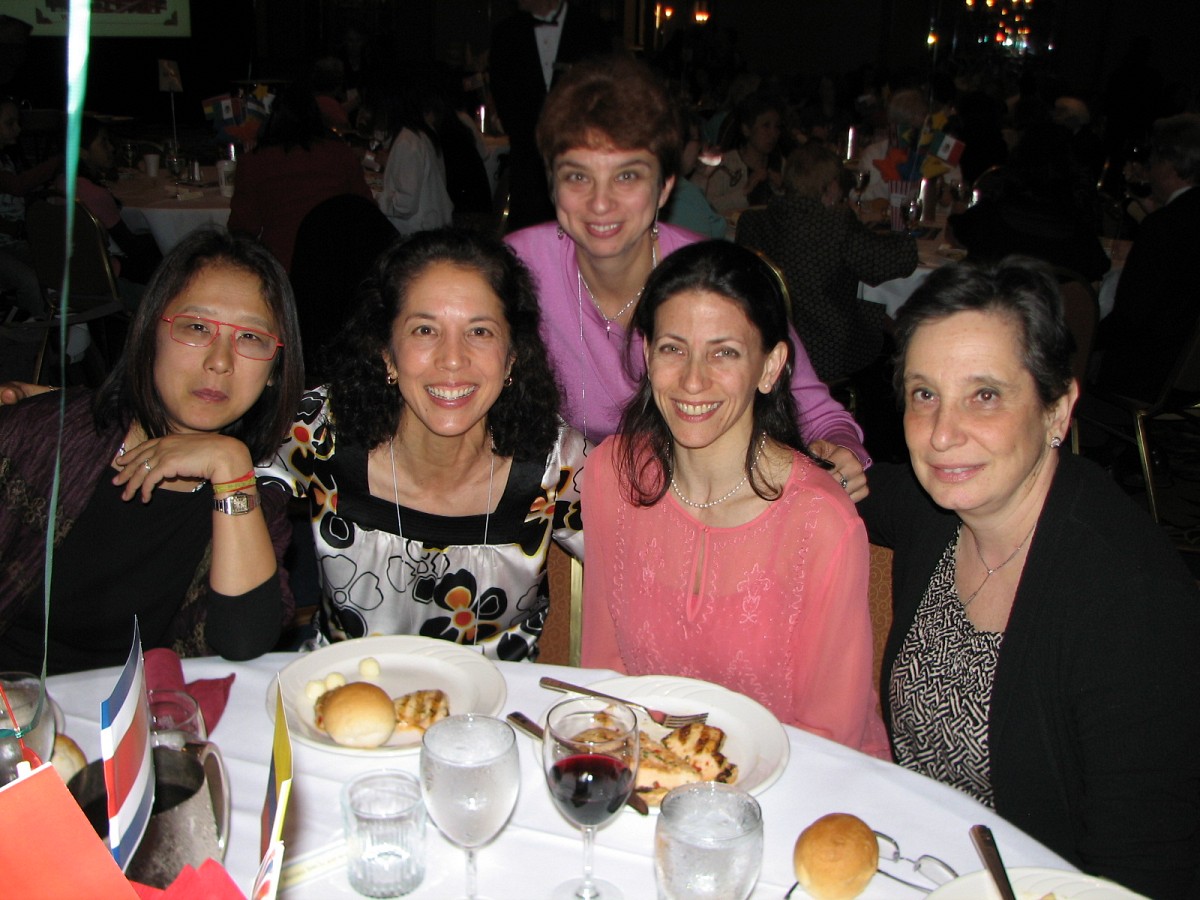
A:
[539, 849]
[152, 204]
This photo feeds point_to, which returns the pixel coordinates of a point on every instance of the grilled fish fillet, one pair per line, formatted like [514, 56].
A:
[415, 712]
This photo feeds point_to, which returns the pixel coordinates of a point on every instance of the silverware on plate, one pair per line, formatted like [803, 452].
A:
[534, 730]
[985, 846]
[666, 720]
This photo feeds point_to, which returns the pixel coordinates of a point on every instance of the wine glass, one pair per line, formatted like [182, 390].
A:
[469, 779]
[173, 158]
[590, 753]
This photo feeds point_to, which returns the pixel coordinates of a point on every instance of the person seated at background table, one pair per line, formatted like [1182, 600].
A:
[1042, 657]
[1034, 213]
[907, 110]
[688, 207]
[297, 163]
[610, 139]
[17, 183]
[415, 197]
[159, 515]
[1155, 313]
[134, 256]
[435, 464]
[751, 168]
[824, 251]
[717, 548]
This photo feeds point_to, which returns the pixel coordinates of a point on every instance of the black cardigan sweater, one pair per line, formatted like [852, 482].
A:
[1094, 728]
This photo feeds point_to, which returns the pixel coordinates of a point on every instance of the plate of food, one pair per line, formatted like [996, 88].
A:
[742, 742]
[375, 696]
[1035, 884]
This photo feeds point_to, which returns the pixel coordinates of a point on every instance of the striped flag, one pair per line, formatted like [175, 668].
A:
[128, 763]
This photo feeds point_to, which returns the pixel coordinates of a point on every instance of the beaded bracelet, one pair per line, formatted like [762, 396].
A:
[225, 487]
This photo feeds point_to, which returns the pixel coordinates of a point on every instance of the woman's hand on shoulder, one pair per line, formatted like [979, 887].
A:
[202, 457]
[12, 392]
[846, 468]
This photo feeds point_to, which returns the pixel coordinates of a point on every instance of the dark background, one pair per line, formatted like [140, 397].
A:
[239, 39]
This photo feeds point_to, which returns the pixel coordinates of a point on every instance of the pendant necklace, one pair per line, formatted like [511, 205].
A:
[609, 320]
[992, 571]
[737, 487]
[487, 518]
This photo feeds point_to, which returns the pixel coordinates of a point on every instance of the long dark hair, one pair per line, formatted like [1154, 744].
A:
[130, 393]
[737, 274]
[366, 409]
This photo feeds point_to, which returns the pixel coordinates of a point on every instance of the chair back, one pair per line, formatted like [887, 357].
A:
[879, 601]
[1081, 308]
[780, 277]
[562, 636]
[93, 284]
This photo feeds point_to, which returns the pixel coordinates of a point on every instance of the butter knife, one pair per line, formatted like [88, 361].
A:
[985, 846]
[534, 730]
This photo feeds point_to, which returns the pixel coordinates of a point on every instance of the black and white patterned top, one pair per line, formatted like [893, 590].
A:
[941, 689]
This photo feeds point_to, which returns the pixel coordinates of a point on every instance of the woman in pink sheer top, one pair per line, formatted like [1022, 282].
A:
[717, 547]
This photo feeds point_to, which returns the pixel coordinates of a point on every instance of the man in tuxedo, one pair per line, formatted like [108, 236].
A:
[528, 51]
[1157, 307]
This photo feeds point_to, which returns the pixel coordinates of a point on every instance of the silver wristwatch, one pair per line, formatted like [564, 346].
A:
[237, 504]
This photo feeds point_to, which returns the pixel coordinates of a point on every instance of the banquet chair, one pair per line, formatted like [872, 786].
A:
[1177, 399]
[1081, 308]
[990, 182]
[879, 601]
[562, 637]
[93, 293]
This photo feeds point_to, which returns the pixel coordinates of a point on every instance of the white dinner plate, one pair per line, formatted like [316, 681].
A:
[406, 663]
[1033, 884]
[754, 739]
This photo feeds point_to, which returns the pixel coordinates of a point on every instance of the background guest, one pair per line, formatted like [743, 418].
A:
[160, 513]
[717, 549]
[751, 169]
[435, 465]
[1154, 314]
[414, 196]
[688, 207]
[529, 50]
[610, 140]
[1042, 654]
[297, 164]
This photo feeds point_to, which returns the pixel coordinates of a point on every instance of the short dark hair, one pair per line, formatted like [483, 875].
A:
[130, 393]
[1021, 289]
[366, 409]
[611, 100]
[730, 270]
[1176, 141]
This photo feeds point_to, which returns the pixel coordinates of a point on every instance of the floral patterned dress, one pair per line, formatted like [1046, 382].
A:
[476, 580]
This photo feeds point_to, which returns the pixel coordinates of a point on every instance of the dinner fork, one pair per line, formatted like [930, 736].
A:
[666, 720]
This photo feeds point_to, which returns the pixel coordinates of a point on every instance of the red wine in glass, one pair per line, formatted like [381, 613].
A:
[590, 756]
[589, 789]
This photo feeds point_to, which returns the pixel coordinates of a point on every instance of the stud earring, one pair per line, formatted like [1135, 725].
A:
[1056, 442]
[561, 234]
[391, 379]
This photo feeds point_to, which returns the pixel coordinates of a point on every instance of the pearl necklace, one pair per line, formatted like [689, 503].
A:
[737, 487]
[991, 571]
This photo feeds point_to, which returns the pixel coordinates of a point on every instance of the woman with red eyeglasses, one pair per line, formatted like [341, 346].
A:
[159, 514]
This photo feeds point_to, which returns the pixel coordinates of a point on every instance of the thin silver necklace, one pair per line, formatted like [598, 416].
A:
[609, 320]
[487, 518]
[737, 487]
[992, 571]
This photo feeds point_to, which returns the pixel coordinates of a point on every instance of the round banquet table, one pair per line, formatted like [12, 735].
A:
[153, 204]
[539, 849]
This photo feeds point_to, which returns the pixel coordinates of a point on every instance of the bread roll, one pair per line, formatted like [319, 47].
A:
[358, 714]
[67, 758]
[836, 856]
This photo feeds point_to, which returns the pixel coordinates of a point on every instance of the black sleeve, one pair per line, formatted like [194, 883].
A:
[248, 625]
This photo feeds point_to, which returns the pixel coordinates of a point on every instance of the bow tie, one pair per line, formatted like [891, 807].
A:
[551, 22]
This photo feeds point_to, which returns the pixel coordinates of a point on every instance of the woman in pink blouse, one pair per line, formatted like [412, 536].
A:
[717, 548]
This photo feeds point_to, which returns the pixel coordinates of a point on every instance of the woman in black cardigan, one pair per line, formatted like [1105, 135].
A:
[1043, 656]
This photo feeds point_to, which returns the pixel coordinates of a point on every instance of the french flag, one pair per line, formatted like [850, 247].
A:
[128, 763]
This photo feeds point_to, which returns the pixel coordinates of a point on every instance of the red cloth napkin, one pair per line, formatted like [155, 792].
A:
[164, 672]
[209, 882]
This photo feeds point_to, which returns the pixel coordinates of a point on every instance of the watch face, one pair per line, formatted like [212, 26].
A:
[236, 504]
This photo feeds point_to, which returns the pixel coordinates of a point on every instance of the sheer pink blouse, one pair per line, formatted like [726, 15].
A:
[781, 614]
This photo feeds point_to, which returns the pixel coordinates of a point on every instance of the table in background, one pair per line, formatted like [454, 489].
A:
[152, 204]
[539, 849]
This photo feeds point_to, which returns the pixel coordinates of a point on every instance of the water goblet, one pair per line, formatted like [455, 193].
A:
[23, 691]
[470, 776]
[912, 214]
[590, 754]
[175, 719]
[708, 842]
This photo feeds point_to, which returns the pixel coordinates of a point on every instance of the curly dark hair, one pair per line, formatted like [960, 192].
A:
[366, 410]
[129, 392]
[644, 460]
